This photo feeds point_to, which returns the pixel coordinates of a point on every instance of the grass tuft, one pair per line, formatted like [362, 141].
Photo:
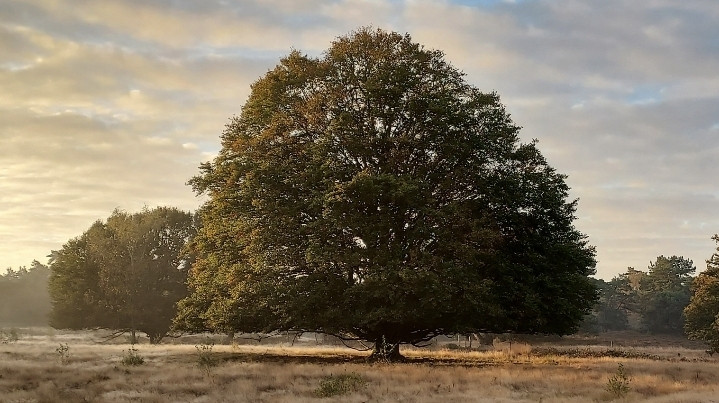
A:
[132, 358]
[10, 336]
[63, 353]
[337, 385]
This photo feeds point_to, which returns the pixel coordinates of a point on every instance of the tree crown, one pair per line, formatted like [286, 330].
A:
[372, 192]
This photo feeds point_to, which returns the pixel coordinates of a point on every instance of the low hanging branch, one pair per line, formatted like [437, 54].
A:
[113, 335]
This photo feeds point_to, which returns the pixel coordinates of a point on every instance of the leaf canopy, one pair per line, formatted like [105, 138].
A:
[374, 193]
[126, 273]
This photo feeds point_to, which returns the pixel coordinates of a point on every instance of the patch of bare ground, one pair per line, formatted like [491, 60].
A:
[31, 371]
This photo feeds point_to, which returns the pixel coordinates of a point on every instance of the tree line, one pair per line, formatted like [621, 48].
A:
[371, 194]
[24, 299]
[665, 299]
[651, 301]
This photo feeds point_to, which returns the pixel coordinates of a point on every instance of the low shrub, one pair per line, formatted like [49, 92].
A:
[336, 385]
[132, 357]
[63, 353]
[588, 353]
[618, 384]
[205, 359]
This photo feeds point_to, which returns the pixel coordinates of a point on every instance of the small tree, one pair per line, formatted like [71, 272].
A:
[127, 273]
[374, 194]
[702, 313]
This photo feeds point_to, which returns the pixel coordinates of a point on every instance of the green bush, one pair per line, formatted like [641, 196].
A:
[132, 357]
[205, 359]
[618, 385]
[336, 385]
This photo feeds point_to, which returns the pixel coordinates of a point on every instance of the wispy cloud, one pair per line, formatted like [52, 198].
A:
[115, 103]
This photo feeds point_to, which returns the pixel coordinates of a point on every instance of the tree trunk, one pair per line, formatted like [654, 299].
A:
[230, 337]
[133, 337]
[155, 338]
[385, 350]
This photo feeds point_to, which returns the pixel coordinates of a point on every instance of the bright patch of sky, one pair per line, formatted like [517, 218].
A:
[234, 52]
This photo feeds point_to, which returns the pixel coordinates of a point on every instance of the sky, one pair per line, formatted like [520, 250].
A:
[115, 103]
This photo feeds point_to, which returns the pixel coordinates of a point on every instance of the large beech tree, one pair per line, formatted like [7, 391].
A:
[373, 193]
[126, 273]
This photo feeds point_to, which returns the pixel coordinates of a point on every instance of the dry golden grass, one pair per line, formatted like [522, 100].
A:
[31, 371]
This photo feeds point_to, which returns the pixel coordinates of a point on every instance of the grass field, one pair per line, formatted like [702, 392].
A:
[49, 366]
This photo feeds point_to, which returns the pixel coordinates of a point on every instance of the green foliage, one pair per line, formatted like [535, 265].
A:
[702, 313]
[24, 300]
[617, 299]
[658, 297]
[63, 353]
[593, 353]
[205, 358]
[125, 273]
[618, 384]
[373, 193]
[590, 324]
[668, 273]
[611, 312]
[337, 385]
[664, 293]
[132, 357]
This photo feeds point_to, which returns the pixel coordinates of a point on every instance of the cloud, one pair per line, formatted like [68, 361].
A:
[115, 103]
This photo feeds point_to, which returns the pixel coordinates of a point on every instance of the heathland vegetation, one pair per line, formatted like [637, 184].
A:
[72, 366]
